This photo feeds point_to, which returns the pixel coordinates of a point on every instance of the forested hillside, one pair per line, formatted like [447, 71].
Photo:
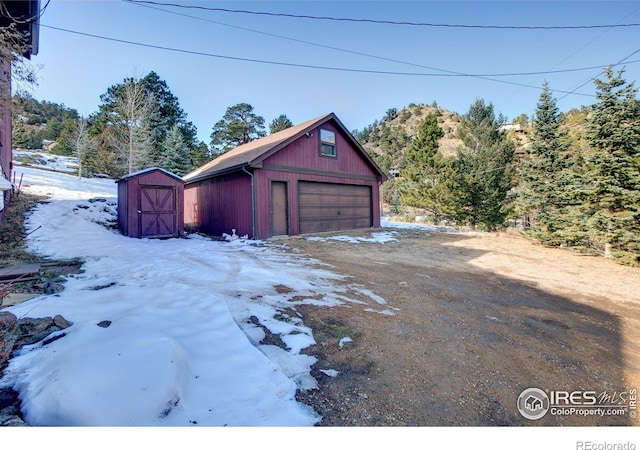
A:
[388, 138]
[569, 179]
[36, 121]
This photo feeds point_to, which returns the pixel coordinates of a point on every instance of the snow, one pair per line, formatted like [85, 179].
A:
[386, 223]
[187, 316]
[344, 340]
[379, 237]
[43, 160]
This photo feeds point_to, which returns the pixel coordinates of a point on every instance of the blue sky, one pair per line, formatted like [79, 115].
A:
[76, 69]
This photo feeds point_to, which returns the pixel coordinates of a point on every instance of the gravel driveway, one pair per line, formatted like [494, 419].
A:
[478, 318]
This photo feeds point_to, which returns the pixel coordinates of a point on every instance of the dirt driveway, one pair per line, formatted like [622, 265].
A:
[477, 319]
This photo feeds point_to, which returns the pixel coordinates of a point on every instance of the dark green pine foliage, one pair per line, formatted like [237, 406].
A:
[200, 155]
[545, 194]
[167, 114]
[238, 126]
[612, 179]
[177, 158]
[280, 123]
[484, 169]
[421, 184]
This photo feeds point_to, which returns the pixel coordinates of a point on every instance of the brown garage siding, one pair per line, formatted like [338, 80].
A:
[332, 207]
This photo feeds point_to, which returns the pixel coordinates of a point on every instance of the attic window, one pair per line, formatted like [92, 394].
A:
[327, 143]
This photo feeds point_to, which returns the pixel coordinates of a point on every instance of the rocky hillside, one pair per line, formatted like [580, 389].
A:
[386, 139]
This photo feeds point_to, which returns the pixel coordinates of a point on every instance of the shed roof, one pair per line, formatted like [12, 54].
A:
[149, 170]
[254, 152]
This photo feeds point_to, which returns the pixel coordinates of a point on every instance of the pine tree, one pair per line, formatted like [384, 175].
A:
[116, 139]
[484, 170]
[280, 123]
[422, 184]
[238, 126]
[176, 153]
[612, 179]
[167, 114]
[199, 155]
[544, 194]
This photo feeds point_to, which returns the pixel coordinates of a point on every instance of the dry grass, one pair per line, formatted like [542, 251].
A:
[13, 250]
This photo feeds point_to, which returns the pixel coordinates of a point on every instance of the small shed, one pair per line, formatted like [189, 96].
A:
[150, 204]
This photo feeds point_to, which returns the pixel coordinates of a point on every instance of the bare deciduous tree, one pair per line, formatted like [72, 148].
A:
[81, 142]
[131, 136]
[14, 68]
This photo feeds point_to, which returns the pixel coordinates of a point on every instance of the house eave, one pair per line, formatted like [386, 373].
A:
[226, 171]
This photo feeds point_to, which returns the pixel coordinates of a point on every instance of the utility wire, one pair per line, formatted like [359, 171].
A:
[573, 91]
[4, 12]
[597, 37]
[353, 52]
[384, 22]
[333, 68]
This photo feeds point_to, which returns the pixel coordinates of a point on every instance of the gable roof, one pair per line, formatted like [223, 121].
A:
[149, 170]
[253, 153]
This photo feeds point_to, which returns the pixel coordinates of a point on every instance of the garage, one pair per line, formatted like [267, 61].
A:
[309, 178]
[333, 207]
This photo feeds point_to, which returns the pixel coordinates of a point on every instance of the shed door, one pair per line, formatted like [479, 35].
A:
[157, 212]
[333, 207]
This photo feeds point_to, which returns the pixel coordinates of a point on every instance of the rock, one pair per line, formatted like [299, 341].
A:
[7, 345]
[31, 326]
[61, 322]
[8, 398]
[52, 288]
[7, 320]
[53, 339]
[14, 334]
[104, 324]
[33, 330]
[12, 421]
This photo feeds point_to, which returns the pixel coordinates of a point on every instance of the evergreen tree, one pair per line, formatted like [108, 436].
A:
[200, 155]
[280, 123]
[167, 114]
[612, 179]
[124, 123]
[63, 142]
[238, 126]
[176, 153]
[422, 184]
[161, 115]
[484, 170]
[544, 191]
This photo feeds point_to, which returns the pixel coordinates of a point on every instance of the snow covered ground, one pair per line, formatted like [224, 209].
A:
[182, 352]
[44, 160]
[187, 316]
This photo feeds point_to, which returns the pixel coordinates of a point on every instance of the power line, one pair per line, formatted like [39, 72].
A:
[237, 58]
[597, 37]
[573, 91]
[332, 68]
[4, 12]
[384, 22]
[353, 52]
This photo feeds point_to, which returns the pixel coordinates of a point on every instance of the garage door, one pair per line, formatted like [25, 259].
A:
[333, 207]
